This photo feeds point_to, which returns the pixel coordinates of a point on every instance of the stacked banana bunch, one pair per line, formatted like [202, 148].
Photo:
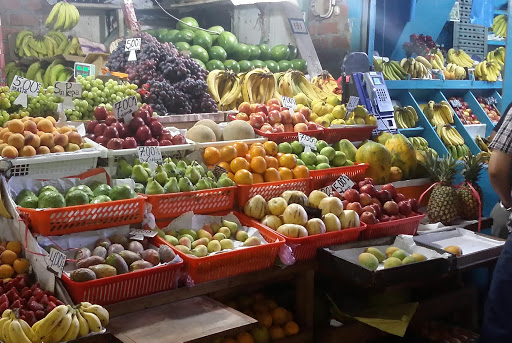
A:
[459, 73]
[438, 114]
[460, 58]
[499, 26]
[293, 82]
[64, 323]
[327, 83]
[393, 71]
[436, 60]
[497, 55]
[417, 67]
[63, 16]
[483, 143]
[52, 44]
[258, 86]
[420, 143]
[488, 71]
[405, 117]
[225, 88]
[56, 71]
[453, 141]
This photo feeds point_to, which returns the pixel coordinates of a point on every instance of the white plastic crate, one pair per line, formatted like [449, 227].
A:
[476, 130]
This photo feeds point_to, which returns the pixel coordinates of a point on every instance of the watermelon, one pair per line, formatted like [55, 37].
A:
[200, 63]
[218, 29]
[245, 66]
[264, 52]
[214, 64]
[184, 36]
[242, 52]
[217, 53]
[182, 46]
[227, 41]
[279, 53]
[258, 64]
[169, 36]
[160, 33]
[284, 65]
[254, 52]
[187, 23]
[200, 53]
[300, 65]
[232, 65]
[203, 39]
[272, 66]
[292, 52]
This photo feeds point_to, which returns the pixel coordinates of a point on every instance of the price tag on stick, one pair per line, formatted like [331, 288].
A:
[55, 262]
[132, 45]
[289, 103]
[145, 233]
[342, 184]
[327, 190]
[68, 90]
[25, 87]
[218, 171]
[307, 141]
[455, 103]
[150, 154]
[124, 109]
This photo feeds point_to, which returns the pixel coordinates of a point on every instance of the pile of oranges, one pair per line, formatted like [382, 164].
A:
[11, 262]
[261, 162]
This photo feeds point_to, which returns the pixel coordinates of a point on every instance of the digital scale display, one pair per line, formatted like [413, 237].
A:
[84, 69]
[377, 81]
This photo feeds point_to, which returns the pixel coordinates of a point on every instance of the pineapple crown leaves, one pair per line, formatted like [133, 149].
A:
[472, 166]
[441, 170]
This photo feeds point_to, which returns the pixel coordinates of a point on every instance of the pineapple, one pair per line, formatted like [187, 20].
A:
[442, 205]
[468, 204]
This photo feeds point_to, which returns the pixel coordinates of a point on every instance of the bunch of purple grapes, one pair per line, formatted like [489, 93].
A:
[177, 83]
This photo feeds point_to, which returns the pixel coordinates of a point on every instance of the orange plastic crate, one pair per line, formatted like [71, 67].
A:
[71, 219]
[172, 205]
[237, 261]
[127, 286]
[325, 177]
[353, 134]
[405, 226]
[289, 136]
[269, 190]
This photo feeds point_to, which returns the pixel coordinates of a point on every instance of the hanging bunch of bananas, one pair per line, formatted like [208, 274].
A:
[488, 71]
[327, 83]
[453, 141]
[417, 67]
[63, 16]
[499, 26]
[497, 55]
[483, 143]
[393, 71]
[438, 114]
[46, 75]
[52, 44]
[405, 117]
[258, 86]
[293, 82]
[421, 144]
[459, 73]
[436, 60]
[460, 58]
[225, 88]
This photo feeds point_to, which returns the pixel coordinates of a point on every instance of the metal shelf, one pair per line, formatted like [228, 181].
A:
[496, 42]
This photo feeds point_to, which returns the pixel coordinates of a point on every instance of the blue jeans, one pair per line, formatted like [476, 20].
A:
[497, 324]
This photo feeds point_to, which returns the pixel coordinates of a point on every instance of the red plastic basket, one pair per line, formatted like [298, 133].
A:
[166, 206]
[353, 134]
[71, 219]
[269, 190]
[289, 136]
[237, 261]
[122, 287]
[325, 177]
[405, 226]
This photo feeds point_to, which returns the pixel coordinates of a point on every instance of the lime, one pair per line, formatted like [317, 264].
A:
[187, 23]
[217, 53]
[279, 53]
[254, 52]
[203, 39]
[264, 52]
[242, 52]
[200, 53]
[215, 64]
[285, 148]
[182, 46]
[51, 200]
[184, 36]
[245, 66]
[258, 64]
[218, 29]
[297, 148]
[299, 64]
[292, 52]
[284, 65]
[228, 41]
[232, 65]
[169, 36]
[272, 66]
[308, 157]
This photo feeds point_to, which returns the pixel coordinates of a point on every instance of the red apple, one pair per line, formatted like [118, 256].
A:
[306, 112]
[312, 126]
[129, 143]
[415, 206]
[135, 123]
[399, 197]
[368, 218]
[376, 201]
[156, 128]
[383, 195]
[384, 218]
[256, 120]
[351, 195]
[390, 207]
[111, 132]
[99, 129]
[369, 209]
[144, 115]
[242, 116]
[369, 189]
[91, 125]
[151, 142]
[298, 117]
[245, 107]
[404, 207]
[354, 206]
[102, 140]
[165, 142]
[274, 117]
[261, 108]
[267, 128]
[178, 139]
[300, 127]
[288, 128]
[143, 133]
[274, 108]
[286, 117]
[273, 101]
[278, 128]
[100, 113]
[110, 120]
[115, 144]
[377, 208]
[345, 203]
[91, 136]
[365, 199]
[390, 188]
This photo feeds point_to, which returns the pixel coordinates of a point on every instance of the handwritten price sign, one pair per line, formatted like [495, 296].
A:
[150, 154]
[56, 261]
[289, 102]
[342, 184]
[25, 86]
[307, 141]
[70, 89]
[298, 26]
[132, 45]
[124, 109]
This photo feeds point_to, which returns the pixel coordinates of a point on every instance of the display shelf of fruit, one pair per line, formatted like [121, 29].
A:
[325, 223]
[453, 141]
[460, 58]
[499, 26]
[211, 244]
[465, 114]
[438, 113]
[488, 71]
[222, 50]
[405, 117]
[51, 44]
[176, 84]
[492, 112]
[372, 258]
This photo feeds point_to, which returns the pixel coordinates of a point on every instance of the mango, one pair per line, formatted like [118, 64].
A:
[129, 256]
[376, 252]
[103, 270]
[457, 251]
[227, 244]
[252, 241]
[136, 247]
[390, 251]
[141, 264]
[90, 261]
[117, 248]
[116, 261]
[419, 257]
[409, 259]
[151, 256]
[82, 275]
[119, 239]
[82, 253]
[103, 242]
[368, 261]
[100, 251]
[400, 254]
[392, 262]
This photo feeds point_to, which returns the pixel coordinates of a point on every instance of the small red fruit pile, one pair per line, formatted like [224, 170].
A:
[143, 130]
[491, 110]
[33, 303]
[272, 118]
[464, 113]
[375, 206]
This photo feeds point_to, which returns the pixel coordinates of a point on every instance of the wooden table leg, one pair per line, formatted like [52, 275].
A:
[305, 298]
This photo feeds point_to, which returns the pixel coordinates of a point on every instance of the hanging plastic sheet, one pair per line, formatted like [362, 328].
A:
[482, 12]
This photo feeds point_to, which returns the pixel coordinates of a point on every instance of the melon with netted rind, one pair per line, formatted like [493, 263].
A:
[201, 134]
[236, 130]
[212, 125]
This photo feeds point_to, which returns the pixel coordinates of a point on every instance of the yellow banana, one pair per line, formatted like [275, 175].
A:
[83, 325]
[92, 320]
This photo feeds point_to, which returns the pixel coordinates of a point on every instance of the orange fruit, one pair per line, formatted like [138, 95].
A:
[279, 154]
[239, 163]
[271, 174]
[300, 172]
[257, 150]
[291, 328]
[279, 316]
[270, 148]
[243, 177]
[258, 164]
[8, 257]
[231, 176]
[285, 173]
[248, 158]
[225, 165]
[241, 148]
[211, 155]
[21, 265]
[244, 337]
[271, 304]
[276, 332]
[288, 160]
[6, 271]
[227, 153]
[271, 162]
[264, 319]
[257, 178]
[14, 246]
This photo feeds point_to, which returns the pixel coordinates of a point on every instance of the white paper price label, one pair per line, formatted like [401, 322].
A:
[25, 86]
[145, 233]
[342, 184]
[327, 190]
[491, 100]
[298, 26]
[56, 261]
[289, 102]
[70, 89]
[132, 45]
[124, 109]
[218, 171]
[307, 141]
[150, 154]
[353, 101]
[455, 103]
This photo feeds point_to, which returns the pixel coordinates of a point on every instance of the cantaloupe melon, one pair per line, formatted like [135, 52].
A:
[212, 125]
[236, 130]
[201, 134]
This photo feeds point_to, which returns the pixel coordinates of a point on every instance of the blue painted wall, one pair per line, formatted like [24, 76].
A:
[355, 13]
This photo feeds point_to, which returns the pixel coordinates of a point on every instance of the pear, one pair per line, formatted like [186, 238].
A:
[200, 169]
[182, 166]
[203, 184]
[210, 175]
[170, 169]
[172, 186]
[139, 174]
[160, 175]
[154, 187]
[124, 170]
[225, 181]
[145, 164]
[193, 174]
[136, 161]
[200, 251]
[232, 226]
[168, 160]
[185, 185]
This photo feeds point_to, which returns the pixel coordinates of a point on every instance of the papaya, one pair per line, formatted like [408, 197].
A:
[346, 147]
[379, 159]
[402, 155]
[383, 137]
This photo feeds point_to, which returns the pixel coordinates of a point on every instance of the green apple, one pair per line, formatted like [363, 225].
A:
[339, 159]
[285, 148]
[321, 159]
[323, 166]
[309, 158]
[328, 152]
[297, 148]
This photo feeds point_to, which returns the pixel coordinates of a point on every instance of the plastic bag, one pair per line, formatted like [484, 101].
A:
[482, 12]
